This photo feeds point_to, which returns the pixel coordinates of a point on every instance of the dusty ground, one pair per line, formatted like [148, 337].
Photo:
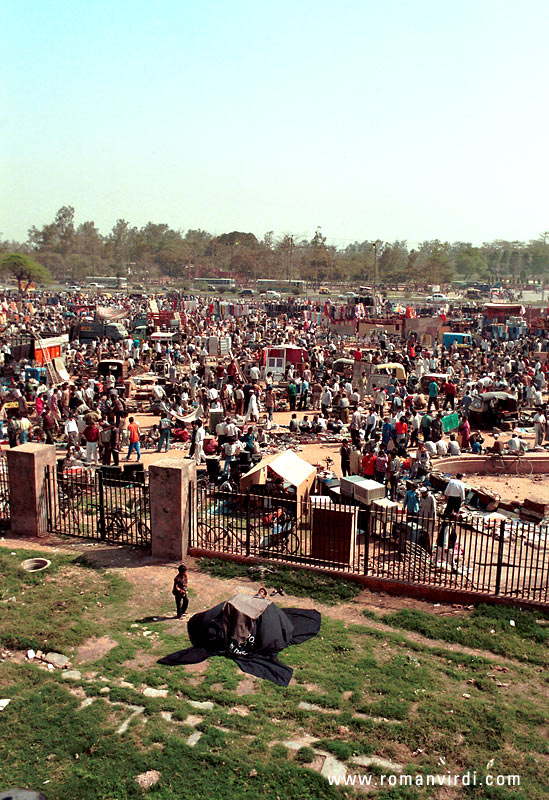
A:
[511, 487]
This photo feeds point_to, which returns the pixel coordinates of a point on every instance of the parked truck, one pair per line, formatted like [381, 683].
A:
[88, 330]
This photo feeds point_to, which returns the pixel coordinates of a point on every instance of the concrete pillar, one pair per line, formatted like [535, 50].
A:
[27, 478]
[169, 482]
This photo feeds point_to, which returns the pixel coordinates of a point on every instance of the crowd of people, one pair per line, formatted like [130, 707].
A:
[384, 424]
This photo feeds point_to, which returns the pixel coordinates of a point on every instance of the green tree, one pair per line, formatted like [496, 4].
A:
[471, 261]
[25, 269]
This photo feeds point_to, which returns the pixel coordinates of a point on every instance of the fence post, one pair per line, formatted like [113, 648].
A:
[99, 478]
[500, 555]
[173, 507]
[368, 515]
[29, 485]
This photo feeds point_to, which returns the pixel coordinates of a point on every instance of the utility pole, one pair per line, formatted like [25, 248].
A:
[290, 258]
[375, 246]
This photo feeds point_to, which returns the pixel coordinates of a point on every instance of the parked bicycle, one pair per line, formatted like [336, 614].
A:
[277, 531]
[516, 463]
[128, 523]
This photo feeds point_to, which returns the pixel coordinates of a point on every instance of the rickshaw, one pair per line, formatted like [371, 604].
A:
[492, 409]
[115, 367]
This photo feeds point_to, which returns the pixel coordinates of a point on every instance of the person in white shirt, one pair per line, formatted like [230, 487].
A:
[71, 430]
[453, 446]
[254, 373]
[539, 427]
[326, 401]
[455, 494]
[516, 445]
[199, 443]
[442, 448]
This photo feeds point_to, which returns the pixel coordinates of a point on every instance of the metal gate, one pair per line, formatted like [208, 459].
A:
[111, 507]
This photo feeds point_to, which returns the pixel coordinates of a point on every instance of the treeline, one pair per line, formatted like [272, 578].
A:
[71, 251]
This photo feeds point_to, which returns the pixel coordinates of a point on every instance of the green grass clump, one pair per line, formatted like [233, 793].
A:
[526, 641]
[305, 755]
[57, 608]
[298, 582]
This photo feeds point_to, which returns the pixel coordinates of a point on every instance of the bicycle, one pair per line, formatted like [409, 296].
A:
[127, 523]
[69, 518]
[516, 462]
[281, 536]
[224, 535]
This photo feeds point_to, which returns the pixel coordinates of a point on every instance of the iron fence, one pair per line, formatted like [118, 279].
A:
[99, 504]
[483, 555]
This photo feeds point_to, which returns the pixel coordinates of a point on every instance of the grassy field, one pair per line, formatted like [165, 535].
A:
[358, 693]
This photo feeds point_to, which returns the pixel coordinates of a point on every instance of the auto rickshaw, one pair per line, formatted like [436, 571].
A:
[396, 370]
[113, 366]
[493, 409]
[117, 368]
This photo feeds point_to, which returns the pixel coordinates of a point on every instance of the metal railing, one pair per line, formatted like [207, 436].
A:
[484, 555]
[98, 504]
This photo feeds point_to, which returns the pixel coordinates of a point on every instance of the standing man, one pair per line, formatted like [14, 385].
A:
[345, 454]
[135, 433]
[326, 401]
[428, 514]
[199, 443]
[91, 435]
[433, 395]
[455, 495]
[539, 426]
[292, 394]
[165, 427]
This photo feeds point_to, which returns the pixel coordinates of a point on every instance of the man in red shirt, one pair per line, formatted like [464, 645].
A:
[401, 429]
[450, 390]
[135, 433]
[368, 465]
[91, 435]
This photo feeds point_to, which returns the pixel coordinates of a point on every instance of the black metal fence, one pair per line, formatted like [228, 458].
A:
[5, 514]
[99, 504]
[481, 554]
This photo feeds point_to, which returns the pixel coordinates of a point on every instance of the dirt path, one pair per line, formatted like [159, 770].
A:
[152, 584]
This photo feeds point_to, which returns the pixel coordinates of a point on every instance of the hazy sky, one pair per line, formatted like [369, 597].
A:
[408, 119]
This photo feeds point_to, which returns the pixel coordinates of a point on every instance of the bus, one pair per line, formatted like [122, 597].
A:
[277, 285]
[107, 282]
[226, 284]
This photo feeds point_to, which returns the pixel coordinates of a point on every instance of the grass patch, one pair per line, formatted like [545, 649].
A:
[57, 608]
[486, 628]
[298, 582]
[379, 694]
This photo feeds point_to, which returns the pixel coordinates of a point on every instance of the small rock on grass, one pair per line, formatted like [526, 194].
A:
[150, 692]
[71, 675]
[333, 768]
[57, 659]
[205, 705]
[147, 779]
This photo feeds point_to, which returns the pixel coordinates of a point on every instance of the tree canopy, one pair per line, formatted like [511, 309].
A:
[24, 268]
[73, 251]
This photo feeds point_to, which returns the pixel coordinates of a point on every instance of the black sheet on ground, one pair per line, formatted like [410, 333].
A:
[270, 629]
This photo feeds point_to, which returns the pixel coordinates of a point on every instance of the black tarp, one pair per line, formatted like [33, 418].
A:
[252, 632]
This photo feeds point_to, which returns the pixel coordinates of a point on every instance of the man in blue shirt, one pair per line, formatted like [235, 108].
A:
[433, 395]
[386, 432]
